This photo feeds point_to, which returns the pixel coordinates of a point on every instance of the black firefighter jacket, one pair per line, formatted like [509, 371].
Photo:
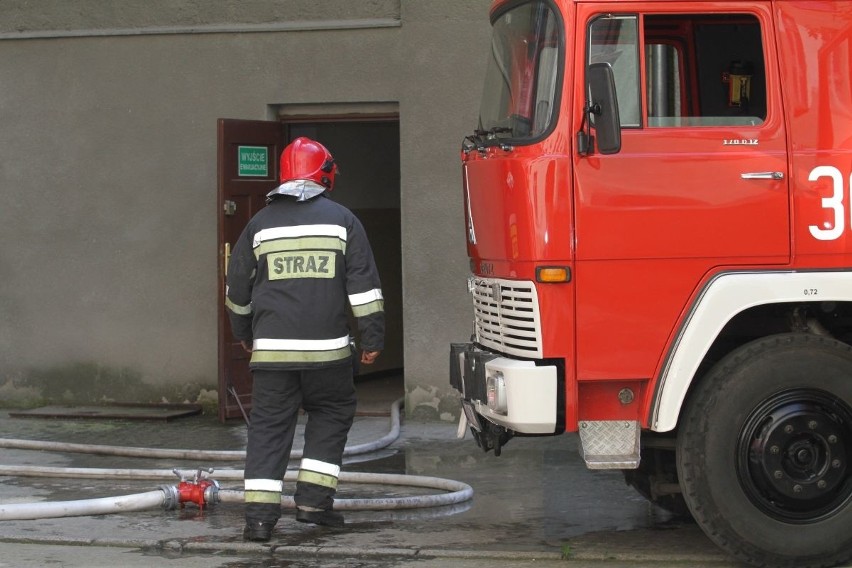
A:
[292, 273]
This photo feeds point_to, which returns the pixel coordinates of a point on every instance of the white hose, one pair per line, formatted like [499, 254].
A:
[84, 507]
[458, 492]
[179, 454]
[101, 473]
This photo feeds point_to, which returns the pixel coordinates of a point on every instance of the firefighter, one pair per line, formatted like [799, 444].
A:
[297, 264]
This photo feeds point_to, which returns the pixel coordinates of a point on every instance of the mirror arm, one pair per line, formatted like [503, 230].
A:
[585, 142]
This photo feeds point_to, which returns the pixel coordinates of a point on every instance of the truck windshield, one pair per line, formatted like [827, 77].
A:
[521, 80]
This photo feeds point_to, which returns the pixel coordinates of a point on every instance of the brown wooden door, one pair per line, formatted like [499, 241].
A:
[248, 153]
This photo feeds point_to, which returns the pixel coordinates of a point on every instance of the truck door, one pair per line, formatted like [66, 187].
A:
[700, 182]
[248, 152]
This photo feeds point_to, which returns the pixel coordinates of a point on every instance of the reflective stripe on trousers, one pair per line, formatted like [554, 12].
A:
[328, 397]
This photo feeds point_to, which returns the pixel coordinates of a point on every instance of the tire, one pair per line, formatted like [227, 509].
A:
[764, 449]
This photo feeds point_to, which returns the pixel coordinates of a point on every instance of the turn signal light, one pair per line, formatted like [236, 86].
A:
[553, 274]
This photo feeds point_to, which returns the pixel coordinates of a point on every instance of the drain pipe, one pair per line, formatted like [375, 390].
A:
[185, 454]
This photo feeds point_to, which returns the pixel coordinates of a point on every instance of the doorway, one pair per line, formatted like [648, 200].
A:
[366, 150]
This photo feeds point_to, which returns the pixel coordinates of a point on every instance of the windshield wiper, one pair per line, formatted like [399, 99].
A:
[491, 136]
[492, 132]
[480, 138]
[472, 141]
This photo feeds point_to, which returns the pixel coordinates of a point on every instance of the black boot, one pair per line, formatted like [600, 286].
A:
[259, 531]
[326, 518]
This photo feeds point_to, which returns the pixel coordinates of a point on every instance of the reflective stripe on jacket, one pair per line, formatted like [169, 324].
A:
[292, 273]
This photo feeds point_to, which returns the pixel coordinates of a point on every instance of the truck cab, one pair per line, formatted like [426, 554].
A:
[657, 207]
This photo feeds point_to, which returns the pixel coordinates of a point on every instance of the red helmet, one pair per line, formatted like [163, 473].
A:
[307, 159]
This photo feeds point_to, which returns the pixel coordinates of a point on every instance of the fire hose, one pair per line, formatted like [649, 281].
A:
[187, 454]
[204, 491]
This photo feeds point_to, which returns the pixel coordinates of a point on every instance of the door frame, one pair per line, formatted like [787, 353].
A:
[241, 407]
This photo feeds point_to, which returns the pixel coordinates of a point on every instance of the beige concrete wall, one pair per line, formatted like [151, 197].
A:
[108, 174]
[445, 45]
[93, 16]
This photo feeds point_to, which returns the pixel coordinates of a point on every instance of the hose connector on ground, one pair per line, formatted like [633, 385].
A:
[199, 490]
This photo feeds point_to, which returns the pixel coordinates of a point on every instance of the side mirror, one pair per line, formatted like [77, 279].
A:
[604, 105]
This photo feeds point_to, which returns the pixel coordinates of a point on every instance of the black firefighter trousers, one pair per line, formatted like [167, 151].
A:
[327, 395]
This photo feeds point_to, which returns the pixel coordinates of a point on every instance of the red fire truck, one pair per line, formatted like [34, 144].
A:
[658, 211]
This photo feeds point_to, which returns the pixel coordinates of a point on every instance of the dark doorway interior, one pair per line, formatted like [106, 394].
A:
[367, 153]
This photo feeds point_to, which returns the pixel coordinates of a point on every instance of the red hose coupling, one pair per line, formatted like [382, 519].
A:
[199, 491]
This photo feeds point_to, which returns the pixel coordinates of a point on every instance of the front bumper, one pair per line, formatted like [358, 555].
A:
[515, 394]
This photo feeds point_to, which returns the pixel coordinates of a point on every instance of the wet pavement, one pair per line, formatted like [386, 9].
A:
[536, 505]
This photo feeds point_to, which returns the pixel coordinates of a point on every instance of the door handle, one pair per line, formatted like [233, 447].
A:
[227, 258]
[763, 175]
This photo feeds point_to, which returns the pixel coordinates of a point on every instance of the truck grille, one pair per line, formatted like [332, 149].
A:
[506, 316]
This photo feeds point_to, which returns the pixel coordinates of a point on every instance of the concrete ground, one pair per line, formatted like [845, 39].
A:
[536, 505]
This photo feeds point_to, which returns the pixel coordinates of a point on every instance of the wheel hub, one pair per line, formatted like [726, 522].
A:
[794, 455]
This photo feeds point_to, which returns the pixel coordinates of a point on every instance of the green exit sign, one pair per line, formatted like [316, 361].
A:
[252, 161]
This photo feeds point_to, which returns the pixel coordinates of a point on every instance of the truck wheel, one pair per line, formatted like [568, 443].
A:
[764, 449]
